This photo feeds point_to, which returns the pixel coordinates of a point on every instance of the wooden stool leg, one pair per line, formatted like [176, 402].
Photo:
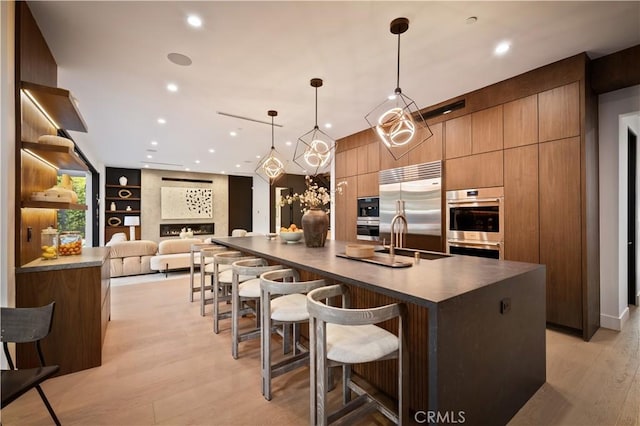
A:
[235, 316]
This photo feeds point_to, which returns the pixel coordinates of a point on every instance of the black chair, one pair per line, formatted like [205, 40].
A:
[24, 325]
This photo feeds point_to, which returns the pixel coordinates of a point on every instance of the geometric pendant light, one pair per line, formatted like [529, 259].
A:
[397, 121]
[270, 167]
[314, 148]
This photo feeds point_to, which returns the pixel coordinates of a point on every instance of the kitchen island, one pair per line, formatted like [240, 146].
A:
[476, 327]
[80, 286]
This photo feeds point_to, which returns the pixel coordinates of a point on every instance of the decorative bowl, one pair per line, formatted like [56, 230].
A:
[291, 237]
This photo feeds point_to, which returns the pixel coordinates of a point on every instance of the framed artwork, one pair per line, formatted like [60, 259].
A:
[186, 203]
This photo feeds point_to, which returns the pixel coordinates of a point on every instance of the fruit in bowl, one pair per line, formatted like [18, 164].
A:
[292, 234]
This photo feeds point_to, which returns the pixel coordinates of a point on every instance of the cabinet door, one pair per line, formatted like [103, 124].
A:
[487, 131]
[559, 112]
[431, 149]
[341, 164]
[521, 233]
[368, 185]
[474, 171]
[560, 230]
[457, 137]
[521, 122]
[373, 157]
[387, 161]
[352, 162]
[362, 153]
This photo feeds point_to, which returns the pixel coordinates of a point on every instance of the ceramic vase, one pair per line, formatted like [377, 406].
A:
[123, 180]
[315, 224]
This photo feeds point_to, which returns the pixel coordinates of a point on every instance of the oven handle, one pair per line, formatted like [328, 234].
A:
[477, 200]
[476, 243]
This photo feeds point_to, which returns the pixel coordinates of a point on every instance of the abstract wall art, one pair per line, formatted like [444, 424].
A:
[186, 203]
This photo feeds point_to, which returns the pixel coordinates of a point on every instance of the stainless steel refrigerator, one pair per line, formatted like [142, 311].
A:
[420, 187]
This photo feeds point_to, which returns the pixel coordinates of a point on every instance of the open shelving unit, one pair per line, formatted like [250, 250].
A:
[113, 194]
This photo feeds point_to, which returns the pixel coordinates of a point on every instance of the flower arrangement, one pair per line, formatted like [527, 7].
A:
[313, 197]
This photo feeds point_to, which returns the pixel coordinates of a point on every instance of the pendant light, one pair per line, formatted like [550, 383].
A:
[270, 167]
[397, 121]
[314, 148]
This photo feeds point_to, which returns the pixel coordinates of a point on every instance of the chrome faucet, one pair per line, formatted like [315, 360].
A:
[397, 237]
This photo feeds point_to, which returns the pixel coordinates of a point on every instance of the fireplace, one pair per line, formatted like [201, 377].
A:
[174, 229]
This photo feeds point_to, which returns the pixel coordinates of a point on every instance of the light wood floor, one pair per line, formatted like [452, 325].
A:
[163, 365]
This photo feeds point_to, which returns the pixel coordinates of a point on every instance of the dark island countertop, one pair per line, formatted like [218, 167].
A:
[426, 283]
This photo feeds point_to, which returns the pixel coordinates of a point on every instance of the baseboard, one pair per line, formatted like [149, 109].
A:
[614, 323]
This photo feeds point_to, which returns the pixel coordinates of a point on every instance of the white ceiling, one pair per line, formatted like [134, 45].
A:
[250, 57]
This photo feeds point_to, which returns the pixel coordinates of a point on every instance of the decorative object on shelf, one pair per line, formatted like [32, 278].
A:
[49, 243]
[314, 148]
[397, 121]
[55, 194]
[315, 222]
[315, 225]
[128, 208]
[123, 180]
[270, 167]
[186, 203]
[186, 233]
[132, 222]
[112, 207]
[65, 182]
[55, 140]
[124, 193]
[114, 221]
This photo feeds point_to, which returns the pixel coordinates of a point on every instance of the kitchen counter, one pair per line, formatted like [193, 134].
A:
[476, 327]
[91, 256]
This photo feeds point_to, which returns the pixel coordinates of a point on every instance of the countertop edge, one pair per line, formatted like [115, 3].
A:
[90, 257]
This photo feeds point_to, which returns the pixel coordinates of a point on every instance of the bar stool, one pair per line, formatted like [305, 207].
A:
[283, 301]
[222, 280]
[195, 262]
[341, 337]
[244, 290]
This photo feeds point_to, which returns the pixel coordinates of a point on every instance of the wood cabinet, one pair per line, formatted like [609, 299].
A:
[559, 113]
[521, 122]
[431, 149]
[521, 231]
[560, 230]
[80, 285]
[387, 161]
[346, 210]
[122, 197]
[368, 185]
[474, 171]
[487, 130]
[341, 164]
[457, 137]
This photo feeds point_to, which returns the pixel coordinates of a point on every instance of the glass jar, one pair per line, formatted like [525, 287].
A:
[70, 243]
[49, 243]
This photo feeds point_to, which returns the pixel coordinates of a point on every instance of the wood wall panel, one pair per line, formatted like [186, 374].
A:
[368, 185]
[559, 113]
[431, 149]
[373, 157]
[521, 228]
[487, 130]
[341, 164]
[36, 63]
[352, 162]
[362, 153]
[521, 122]
[475, 171]
[387, 161]
[351, 205]
[457, 137]
[560, 230]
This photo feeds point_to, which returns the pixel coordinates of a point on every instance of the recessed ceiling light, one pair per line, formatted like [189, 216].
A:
[288, 143]
[146, 166]
[194, 21]
[237, 165]
[149, 156]
[197, 161]
[211, 150]
[391, 97]
[502, 48]
[223, 172]
[187, 169]
[328, 126]
[257, 156]
[154, 143]
[232, 133]
[172, 87]
[162, 120]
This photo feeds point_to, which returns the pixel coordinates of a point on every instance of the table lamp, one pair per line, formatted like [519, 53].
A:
[132, 222]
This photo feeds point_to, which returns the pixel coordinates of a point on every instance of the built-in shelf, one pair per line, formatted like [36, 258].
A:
[124, 186]
[123, 211]
[121, 199]
[63, 157]
[53, 205]
[58, 104]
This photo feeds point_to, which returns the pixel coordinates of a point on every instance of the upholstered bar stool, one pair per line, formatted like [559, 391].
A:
[206, 270]
[196, 263]
[244, 290]
[342, 337]
[222, 279]
[283, 301]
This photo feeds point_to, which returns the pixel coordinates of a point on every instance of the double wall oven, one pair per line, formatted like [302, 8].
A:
[475, 222]
[368, 222]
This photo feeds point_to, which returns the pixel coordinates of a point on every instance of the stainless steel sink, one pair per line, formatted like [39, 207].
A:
[428, 255]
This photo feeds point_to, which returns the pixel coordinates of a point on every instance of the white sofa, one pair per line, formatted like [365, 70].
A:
[173, 254]
[130, 257]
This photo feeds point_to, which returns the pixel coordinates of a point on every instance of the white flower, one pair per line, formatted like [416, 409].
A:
[314, 197]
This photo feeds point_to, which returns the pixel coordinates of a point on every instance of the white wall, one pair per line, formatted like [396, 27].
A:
[616, 111]
[7, 154]
[261, 207]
